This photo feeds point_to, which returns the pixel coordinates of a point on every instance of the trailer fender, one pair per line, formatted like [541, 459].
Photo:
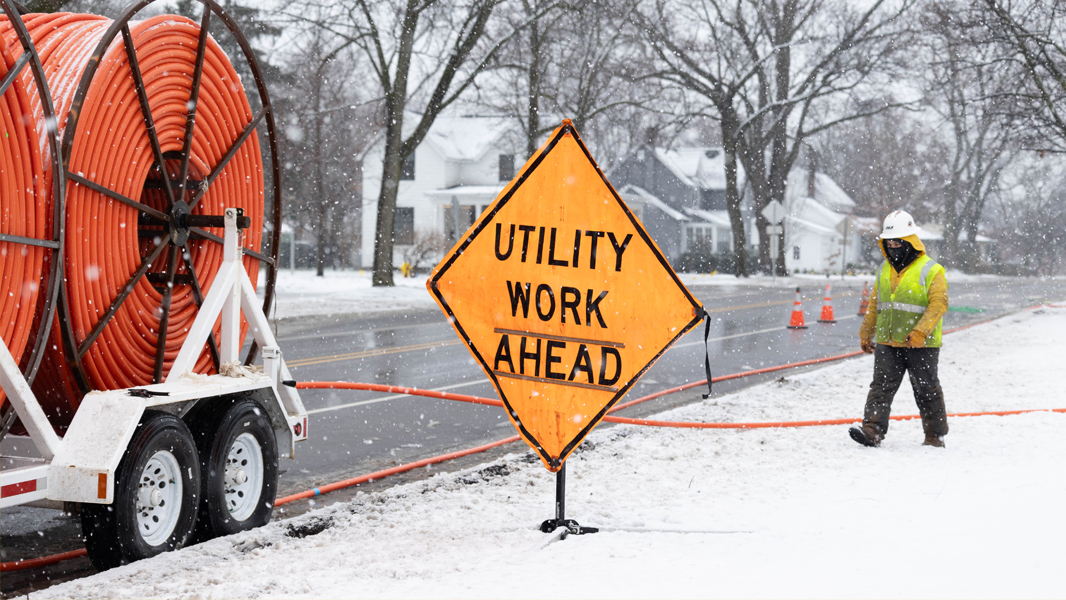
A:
[83, 469]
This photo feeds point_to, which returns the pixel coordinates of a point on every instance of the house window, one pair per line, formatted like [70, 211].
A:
[404, 227]
[796, 252]
[506, 167]
[407, 171]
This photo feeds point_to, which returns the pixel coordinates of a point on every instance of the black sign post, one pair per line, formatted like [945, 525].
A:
[560, 519]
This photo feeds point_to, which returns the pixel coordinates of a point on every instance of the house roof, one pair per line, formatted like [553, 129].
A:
[820, 228]
[826, 191]
[466, 138]
[700, 167]
[718, 218]
[643, 195]
[466, 192]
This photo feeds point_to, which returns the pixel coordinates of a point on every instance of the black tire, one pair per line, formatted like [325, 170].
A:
[224, 430]
[122, 532]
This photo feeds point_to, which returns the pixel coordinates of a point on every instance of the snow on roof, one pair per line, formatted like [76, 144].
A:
[701, 167]
[466, 191]
[928, 236]
[643, 196]
[719, 218]
[820, 228]
[826, 190]
[466, 137]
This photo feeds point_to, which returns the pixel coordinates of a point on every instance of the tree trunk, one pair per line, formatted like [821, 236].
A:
[533, 116]
[390, 184]
[321, 232]
[732, 199]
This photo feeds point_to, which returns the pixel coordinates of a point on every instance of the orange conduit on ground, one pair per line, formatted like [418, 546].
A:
[25, 207]
[105, 241]
[44, 561]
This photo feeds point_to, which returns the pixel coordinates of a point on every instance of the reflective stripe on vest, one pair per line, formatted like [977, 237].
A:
[899, 310]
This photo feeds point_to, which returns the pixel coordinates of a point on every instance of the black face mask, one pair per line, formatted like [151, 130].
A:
[900, 257]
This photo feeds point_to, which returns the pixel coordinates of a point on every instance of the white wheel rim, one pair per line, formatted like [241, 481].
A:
[158, 501]
[243, 479]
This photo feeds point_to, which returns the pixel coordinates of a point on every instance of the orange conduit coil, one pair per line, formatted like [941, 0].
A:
[108, 240]
[25, 206]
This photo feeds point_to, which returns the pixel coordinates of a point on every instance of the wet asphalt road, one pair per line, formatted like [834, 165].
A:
[353, 433]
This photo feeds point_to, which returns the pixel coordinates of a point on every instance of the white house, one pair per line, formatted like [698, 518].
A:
[691, 183]
[454, 174]
[816, 223]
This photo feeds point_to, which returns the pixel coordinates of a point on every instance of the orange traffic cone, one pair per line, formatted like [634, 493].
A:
[827, 308]
[865, 303]
[796, 322]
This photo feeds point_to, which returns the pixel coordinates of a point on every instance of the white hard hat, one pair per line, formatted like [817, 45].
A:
[898, 224]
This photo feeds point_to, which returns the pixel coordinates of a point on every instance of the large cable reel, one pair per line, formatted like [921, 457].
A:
[158, 137]
[31, 201]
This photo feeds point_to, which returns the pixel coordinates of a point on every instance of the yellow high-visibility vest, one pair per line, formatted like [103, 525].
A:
[900, 310]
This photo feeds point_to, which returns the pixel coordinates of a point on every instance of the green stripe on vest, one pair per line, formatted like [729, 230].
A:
[899, 312]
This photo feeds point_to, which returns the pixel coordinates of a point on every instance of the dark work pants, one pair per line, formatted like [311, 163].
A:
[921, 364]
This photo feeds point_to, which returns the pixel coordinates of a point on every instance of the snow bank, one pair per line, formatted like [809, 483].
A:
[303, 294]
[715, 513]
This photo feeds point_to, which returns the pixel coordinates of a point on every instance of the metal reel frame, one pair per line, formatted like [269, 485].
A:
[177, 208]
[31, 360]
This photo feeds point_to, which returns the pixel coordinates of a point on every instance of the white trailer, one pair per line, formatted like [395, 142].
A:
[157, 466]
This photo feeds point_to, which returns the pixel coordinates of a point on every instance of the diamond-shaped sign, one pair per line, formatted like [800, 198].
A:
[561, 296]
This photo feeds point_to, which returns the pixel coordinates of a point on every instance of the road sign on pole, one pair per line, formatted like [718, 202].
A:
[774, 231]
[561, 296]
[774, 212]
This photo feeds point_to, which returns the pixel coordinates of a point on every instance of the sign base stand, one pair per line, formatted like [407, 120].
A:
[572, 527]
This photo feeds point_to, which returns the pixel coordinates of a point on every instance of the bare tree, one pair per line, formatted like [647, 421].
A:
[522, 71]
[328, 126]
[579, 61]
[810, 54]
[773, 71]
[885, 162]
[424, 55]
[1032, 216]
[969, 85]
[1034, 33]
[699, 53]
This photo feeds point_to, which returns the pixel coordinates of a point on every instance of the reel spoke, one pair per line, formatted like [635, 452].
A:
[111, 310]
[14, 72]
[146, 110]
[148, 210]
[194, 99]
[248, 129]
[164, 318]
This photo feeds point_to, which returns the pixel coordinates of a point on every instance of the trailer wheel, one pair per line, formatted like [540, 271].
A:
[155, 500]
[238, 467]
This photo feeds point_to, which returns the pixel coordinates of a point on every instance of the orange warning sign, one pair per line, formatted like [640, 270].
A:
[561, 295]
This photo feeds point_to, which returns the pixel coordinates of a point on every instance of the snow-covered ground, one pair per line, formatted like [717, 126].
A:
[705, 513]
[302, 294]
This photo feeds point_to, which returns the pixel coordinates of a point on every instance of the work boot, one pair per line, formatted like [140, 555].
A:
[867, 435]
[936, 441]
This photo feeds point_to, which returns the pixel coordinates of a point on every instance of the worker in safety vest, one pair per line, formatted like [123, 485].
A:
[903, 324]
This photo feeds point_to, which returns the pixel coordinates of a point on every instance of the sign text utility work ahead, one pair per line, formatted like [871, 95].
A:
[561, 296]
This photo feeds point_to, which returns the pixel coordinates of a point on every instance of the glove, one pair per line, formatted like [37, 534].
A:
[866, 345]
[915, 339]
